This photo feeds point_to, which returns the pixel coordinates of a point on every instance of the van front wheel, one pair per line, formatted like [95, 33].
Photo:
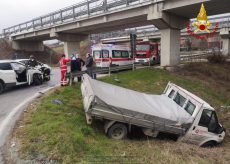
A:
[118, 131]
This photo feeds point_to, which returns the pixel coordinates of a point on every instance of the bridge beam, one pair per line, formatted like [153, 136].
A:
[29, 46]
[164, 20]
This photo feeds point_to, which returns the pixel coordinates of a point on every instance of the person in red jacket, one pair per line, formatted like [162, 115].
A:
[63, 66]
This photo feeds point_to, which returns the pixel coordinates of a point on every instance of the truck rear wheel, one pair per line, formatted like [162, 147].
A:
[117, 131]
[37, 79]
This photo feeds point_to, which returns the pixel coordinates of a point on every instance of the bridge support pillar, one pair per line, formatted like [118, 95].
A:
[169, 26]
[170, 47]
[225, 35]
[28, 45]
[72, 43]
[226, 46]
[71, 48]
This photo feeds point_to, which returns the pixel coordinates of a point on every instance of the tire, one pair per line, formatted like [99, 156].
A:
[118, 131]
[209, 144]
[37, 79]
[48, 78]
[1, 87]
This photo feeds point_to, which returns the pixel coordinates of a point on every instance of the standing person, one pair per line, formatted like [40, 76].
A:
[32, 62]
[63, 66]
[80, 63]
[76, 65]
[89, 65]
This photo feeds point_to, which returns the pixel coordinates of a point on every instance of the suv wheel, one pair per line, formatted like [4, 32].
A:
[37, 79]
[1, 87]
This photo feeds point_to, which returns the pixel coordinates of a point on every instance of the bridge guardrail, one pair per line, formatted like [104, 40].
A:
[191, 57]
[86, 9]
[72, 13]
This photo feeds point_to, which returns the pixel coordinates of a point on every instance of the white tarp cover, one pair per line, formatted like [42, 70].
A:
[154, 105]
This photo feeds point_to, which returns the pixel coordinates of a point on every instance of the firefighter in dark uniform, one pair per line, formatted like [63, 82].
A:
[32, 62]
[76, 64]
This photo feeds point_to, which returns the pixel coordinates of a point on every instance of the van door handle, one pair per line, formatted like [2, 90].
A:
[194, 127]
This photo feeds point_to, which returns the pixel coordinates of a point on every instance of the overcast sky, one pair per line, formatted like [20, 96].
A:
[13, 12]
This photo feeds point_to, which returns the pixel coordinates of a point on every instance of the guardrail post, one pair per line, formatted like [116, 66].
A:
[41, 21]
[109, 70]
[61, 16]
[19, 26]
[73, 12]
[33, 23]
[53, 18]
[127, 2]
[105, 5]
[88, 12]
[70, 79]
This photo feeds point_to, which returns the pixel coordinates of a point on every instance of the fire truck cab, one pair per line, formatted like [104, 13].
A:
[147, 53]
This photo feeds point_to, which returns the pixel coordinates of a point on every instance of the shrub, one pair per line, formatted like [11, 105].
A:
[216, 57]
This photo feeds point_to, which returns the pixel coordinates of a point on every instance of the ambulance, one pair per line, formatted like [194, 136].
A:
[106, 55]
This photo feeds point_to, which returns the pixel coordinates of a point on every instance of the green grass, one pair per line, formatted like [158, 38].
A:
[60, 132]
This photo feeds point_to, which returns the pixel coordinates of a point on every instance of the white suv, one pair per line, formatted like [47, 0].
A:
[46, 70]
[13, 73]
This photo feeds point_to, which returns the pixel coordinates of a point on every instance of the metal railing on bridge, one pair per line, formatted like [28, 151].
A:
[89, 8]
[70, 14]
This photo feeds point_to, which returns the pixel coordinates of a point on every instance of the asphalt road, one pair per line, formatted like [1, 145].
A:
[14, 100]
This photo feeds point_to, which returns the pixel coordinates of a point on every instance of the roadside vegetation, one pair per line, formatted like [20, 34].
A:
[51, 133]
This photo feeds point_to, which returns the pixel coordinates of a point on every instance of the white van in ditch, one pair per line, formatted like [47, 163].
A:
[176, 111]
[205, 129]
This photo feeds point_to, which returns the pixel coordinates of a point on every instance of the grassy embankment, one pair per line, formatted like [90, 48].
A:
[60, 133]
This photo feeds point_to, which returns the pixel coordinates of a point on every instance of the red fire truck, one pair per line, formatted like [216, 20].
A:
[147, 53]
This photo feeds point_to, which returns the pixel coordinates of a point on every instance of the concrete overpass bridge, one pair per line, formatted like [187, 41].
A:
[74, 24]
[152, 33]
